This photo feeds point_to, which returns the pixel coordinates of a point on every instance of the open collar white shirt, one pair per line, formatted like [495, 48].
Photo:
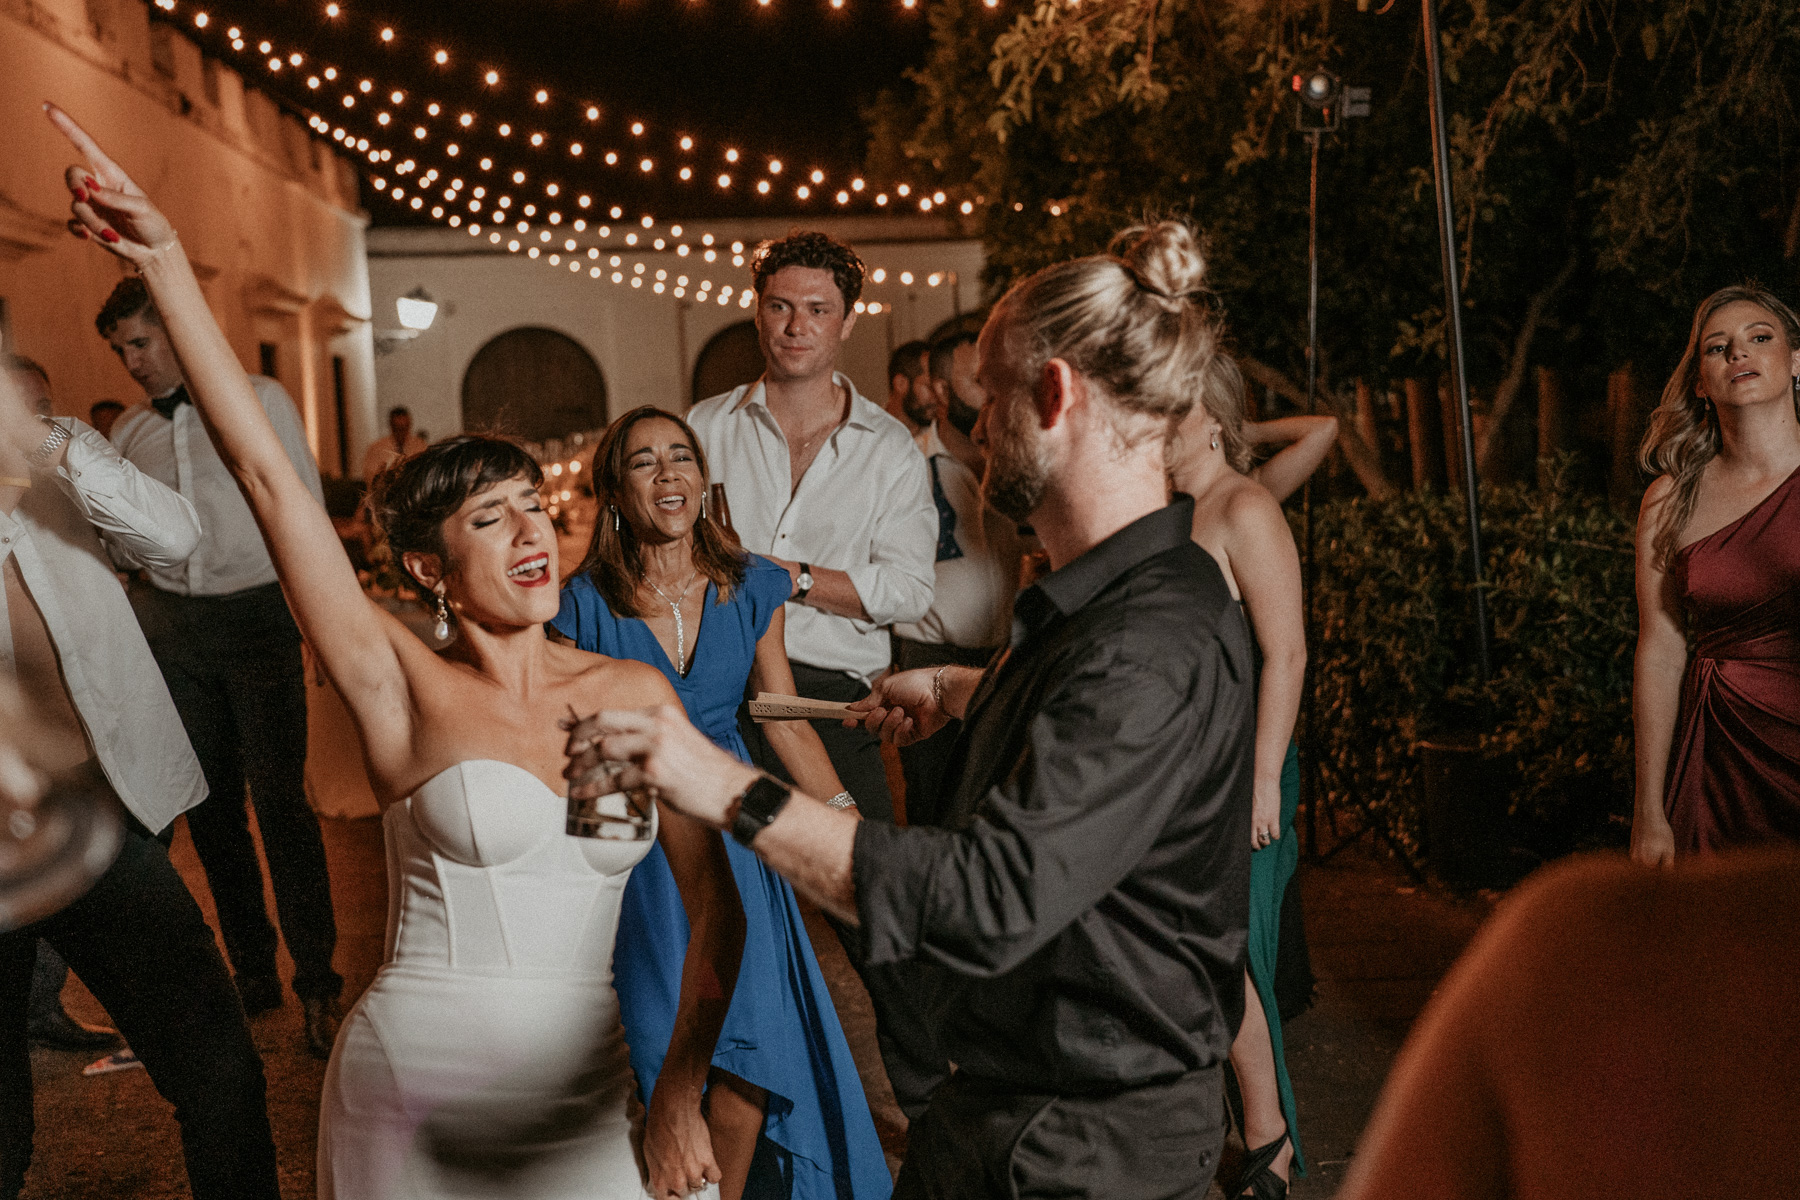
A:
[59, 536]
[863, 507]
[179, 453]
[972, 603]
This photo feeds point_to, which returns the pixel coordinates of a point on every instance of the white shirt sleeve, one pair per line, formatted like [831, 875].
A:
[895, 585]
[143, 523]
[286, 419]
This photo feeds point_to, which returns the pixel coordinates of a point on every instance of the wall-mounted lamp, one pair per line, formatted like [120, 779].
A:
[417, 310]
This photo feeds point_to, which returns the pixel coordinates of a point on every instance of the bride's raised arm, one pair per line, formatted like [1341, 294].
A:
[354, 639]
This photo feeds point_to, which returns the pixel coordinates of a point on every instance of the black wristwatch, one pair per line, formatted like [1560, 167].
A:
[759, 804]
[804, 583]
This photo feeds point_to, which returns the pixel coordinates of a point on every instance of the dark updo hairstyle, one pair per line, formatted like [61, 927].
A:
[412, 498]
[615, 558]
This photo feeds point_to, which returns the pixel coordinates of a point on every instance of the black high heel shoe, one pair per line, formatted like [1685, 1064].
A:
[1257, 1177]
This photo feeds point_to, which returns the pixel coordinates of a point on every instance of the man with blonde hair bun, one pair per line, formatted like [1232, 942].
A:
[1078, 924]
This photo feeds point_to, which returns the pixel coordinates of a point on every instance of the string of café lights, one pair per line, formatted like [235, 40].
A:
[368, 90]
[599, 264]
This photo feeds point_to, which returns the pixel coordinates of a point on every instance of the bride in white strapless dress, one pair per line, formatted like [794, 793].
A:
[487, 1059]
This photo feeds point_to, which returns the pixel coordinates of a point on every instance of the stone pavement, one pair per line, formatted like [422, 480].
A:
[1379, 947]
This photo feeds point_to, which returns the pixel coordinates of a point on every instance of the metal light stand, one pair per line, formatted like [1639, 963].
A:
[1440, 164]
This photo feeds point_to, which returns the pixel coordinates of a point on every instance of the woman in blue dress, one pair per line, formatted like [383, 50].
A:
[668, 585]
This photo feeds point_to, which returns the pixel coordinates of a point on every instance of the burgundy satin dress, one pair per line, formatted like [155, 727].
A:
[1734, 768]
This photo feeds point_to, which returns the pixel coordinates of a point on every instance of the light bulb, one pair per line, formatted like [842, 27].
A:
[466, 120]
[645, 165]
[575, 149]
[774, 166]
[487, 164]
[432, 109]
[491, 78]
[803, 192]
[637, 129]
[294, 59]
[505, 130]
[365, 86]
[967, 208]
[724, 181]
[687, 143]
[441, 57]
[818, 176]
[904, 189]
[332, 10]
[312, 81]
[731, 156]
[617, 212]
[387, 35]
[881, 199]
[593, 114]
[612, 158]
[880, 274]
[906, 277]
[762, 186]
[550, 189]
[687, 173]
[542, 97]
[537, 139]
[330, 72]
[265, 47]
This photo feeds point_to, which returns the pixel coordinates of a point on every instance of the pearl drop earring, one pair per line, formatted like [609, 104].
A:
[442, 629]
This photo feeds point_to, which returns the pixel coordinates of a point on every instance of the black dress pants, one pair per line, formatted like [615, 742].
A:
[855, 753]
[979, 1140]
[139, 943]
[233, 667]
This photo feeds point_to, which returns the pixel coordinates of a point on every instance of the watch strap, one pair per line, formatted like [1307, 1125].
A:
[759, 804]
[802, 589]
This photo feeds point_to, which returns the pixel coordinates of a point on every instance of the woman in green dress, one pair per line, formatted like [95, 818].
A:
[1241, 525]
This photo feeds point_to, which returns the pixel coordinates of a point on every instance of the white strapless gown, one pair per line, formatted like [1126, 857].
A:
[487, 1059]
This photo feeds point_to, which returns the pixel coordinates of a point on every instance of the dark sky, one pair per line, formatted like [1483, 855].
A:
[788, 78]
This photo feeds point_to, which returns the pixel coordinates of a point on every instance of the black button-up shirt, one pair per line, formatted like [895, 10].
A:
[1084, 909]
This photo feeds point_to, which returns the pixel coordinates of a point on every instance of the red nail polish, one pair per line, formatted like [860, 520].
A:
[93, 184]
[109, 235]
[80, 195]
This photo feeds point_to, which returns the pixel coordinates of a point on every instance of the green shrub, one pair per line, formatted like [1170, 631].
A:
[1394, 663]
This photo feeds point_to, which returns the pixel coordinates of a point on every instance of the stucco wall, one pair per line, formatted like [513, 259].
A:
[268, 212]
[645, 344]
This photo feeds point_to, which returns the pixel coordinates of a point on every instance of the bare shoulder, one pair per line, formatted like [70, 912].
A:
[612, 682]
[1660, 489]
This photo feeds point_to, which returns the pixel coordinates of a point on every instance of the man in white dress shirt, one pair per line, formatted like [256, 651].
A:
[823, 482]
[400, 443]
[137, 937]
[230, 652]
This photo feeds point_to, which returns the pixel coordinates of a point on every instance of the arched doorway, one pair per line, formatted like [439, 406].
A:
[534, 384]
[730, 357]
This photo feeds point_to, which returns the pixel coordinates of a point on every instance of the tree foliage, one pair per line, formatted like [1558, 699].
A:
[1613, 162]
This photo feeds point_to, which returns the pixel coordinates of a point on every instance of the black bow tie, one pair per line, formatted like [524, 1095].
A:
[166, 405]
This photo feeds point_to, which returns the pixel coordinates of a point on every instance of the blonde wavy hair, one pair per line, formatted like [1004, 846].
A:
[1684, 429]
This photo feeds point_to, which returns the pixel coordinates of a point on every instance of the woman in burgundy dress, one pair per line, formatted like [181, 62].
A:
[1716, 686]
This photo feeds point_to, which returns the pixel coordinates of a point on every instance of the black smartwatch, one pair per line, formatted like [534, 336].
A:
[804, 584]
[759, 804]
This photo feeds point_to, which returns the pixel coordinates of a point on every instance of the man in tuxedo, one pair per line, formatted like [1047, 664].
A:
[230, 653]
